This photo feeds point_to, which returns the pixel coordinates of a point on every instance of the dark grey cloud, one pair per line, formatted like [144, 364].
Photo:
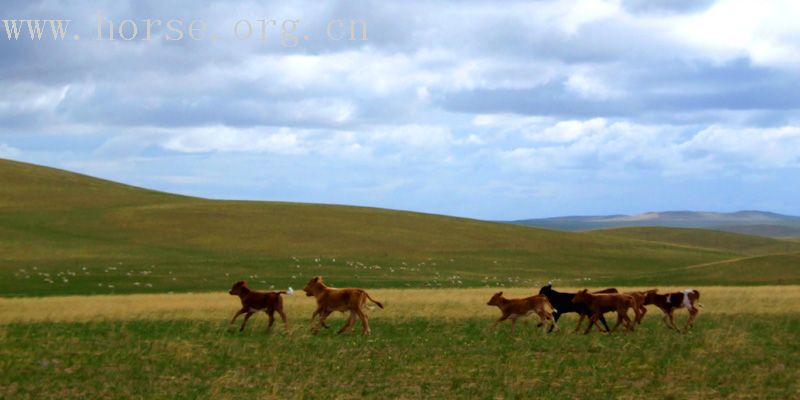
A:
[666, 6]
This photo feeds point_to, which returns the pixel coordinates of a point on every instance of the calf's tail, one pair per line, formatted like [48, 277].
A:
[697, 293]
[378, 303]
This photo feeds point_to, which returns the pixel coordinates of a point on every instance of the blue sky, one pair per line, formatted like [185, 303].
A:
[469, 108]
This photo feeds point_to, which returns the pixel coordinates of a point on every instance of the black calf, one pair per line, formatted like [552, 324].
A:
[562, 302]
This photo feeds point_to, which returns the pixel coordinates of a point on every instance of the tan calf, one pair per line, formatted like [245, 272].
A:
[330, 300]
[639, 296]
[516, 308]
[602, 303]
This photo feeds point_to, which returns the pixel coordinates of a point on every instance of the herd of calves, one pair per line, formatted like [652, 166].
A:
[549, 305]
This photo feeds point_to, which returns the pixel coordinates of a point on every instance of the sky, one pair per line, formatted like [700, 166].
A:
[482, 109]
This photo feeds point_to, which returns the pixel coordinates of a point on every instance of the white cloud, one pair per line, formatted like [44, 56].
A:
[757, 148]
[569, 131]
[766, 32]
[430, 137]
[7, 151]
[591, 87]
[571, 15]
[412, 139]
[597, 144]
[21, 97]
[227, 139]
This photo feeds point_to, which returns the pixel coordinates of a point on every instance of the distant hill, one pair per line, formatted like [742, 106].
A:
[759, 223]
[66, 233]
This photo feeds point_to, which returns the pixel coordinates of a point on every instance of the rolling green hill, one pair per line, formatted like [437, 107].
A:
[62, 232]
[703, 238]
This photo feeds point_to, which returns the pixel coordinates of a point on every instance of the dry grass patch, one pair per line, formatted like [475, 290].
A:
[400, 304]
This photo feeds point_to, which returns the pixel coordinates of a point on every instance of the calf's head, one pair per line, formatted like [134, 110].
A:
[581, 296]
[312, 286]
[546, 289]
[496, 300]
[237, 288]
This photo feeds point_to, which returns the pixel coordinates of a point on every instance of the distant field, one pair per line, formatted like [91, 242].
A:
[64, 233]
[426, 343]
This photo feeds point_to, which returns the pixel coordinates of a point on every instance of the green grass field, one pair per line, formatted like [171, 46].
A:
[63, 233]
[144, 346]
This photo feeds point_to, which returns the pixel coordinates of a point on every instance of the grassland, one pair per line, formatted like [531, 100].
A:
[426, 343]
[112, 291]
[64, 233]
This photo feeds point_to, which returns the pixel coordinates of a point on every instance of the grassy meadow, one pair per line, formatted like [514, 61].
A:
[426, 343]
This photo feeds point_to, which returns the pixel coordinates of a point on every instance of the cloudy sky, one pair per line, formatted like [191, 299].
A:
[485, 109]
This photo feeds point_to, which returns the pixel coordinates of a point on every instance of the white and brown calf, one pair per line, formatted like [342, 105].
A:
[670, 302]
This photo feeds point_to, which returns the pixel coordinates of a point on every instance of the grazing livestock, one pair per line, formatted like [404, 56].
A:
[515, 308]
[330, 300]
[639, 297]
[253, 301]
[669, 302]
[562, 303]
[602, 303]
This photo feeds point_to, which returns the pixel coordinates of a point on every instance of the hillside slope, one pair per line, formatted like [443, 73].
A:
[703, 238]
[62, 232]
[748, 222]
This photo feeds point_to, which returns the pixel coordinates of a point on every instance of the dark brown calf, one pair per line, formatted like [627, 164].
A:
[670, 302]
[253, 301]
[330, 300]
[515, 308]
[602, 303]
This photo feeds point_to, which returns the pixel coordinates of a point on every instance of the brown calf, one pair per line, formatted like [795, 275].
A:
[253, 301]
[330, 300]
[669, 302]
[515, 308]
[602, 303]
[639, 297]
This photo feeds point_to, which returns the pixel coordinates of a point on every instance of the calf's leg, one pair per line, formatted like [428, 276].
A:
[556, 316]
[238, 313]
[592, 321]
[364, 322]
[499, 320]
[692, 315]
[622, 314]
[283, 317]
[246, 317]
[619, 321]
[322, 315]
[672, 320]
[603, 320]
[350, 321]
[580, 321]
[665, 318]
[544, 318]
